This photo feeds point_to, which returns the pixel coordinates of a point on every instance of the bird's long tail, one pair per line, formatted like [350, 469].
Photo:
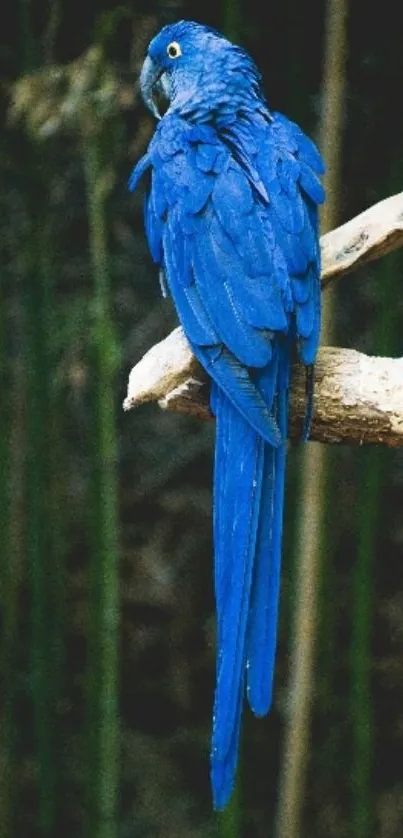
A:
[248, 514]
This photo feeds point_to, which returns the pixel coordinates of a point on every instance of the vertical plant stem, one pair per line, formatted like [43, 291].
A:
[232, 20]
[103, 658]
[55, 500]
[370, 495]
[314, 483]
[360, 655]
[51, 31]
[7, 598]
[12, 451]
[26, 40]
[13, 478]
[229, 822]
[38, 313]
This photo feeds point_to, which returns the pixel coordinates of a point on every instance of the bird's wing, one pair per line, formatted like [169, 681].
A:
[233, 221]
[281, 162]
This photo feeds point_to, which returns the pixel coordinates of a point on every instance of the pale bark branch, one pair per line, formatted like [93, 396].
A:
[372, 234]
[358, 399]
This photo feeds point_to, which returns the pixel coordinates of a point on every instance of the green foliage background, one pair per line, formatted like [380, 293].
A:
[106, 604]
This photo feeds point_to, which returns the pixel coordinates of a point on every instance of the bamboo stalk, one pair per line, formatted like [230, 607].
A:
[372, 476]
[103, 661]
[8, 602]
[38, 311]
[232, 20]
[314, 482]
[55, 511]
[12, 451]
[14, 568]
[360, 652]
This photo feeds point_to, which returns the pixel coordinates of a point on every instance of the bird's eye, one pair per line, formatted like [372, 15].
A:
[174, 50]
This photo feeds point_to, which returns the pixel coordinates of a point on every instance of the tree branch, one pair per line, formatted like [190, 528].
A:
[372, 234]
[358, 399]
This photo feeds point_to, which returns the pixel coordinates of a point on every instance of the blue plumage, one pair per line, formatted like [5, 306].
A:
[231, 219]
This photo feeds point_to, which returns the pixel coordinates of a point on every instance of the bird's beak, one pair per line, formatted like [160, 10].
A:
[149, 84]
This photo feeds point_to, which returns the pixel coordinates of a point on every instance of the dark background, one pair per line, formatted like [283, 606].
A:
[106, 603]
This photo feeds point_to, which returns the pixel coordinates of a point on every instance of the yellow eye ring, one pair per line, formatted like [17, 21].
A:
[174, 50]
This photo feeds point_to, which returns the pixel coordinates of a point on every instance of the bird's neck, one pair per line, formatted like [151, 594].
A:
[224, 113]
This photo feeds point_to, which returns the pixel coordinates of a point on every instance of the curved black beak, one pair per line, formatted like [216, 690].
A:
[149, 78]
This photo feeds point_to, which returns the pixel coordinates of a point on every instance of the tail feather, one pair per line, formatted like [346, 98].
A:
[223, 769]
[238, 483]
[263, 614]
[248, 519]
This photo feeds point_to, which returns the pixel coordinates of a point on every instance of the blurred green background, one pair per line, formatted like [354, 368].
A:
[106, 602]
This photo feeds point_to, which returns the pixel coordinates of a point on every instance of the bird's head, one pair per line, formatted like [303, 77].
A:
[198, 71]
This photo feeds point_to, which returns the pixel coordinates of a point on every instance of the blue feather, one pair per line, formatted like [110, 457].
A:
[311, 185]
[243, 340]
[235, 533]
[206, 156]
[234, 379]
[301, 287]
[305, 311]
[142, 166]
[308, 347]
[232, 201]
[262, 625]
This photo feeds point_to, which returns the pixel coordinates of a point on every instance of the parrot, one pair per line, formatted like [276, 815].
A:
[231, 219]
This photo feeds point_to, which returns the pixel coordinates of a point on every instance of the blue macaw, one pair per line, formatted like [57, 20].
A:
[231, 220]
